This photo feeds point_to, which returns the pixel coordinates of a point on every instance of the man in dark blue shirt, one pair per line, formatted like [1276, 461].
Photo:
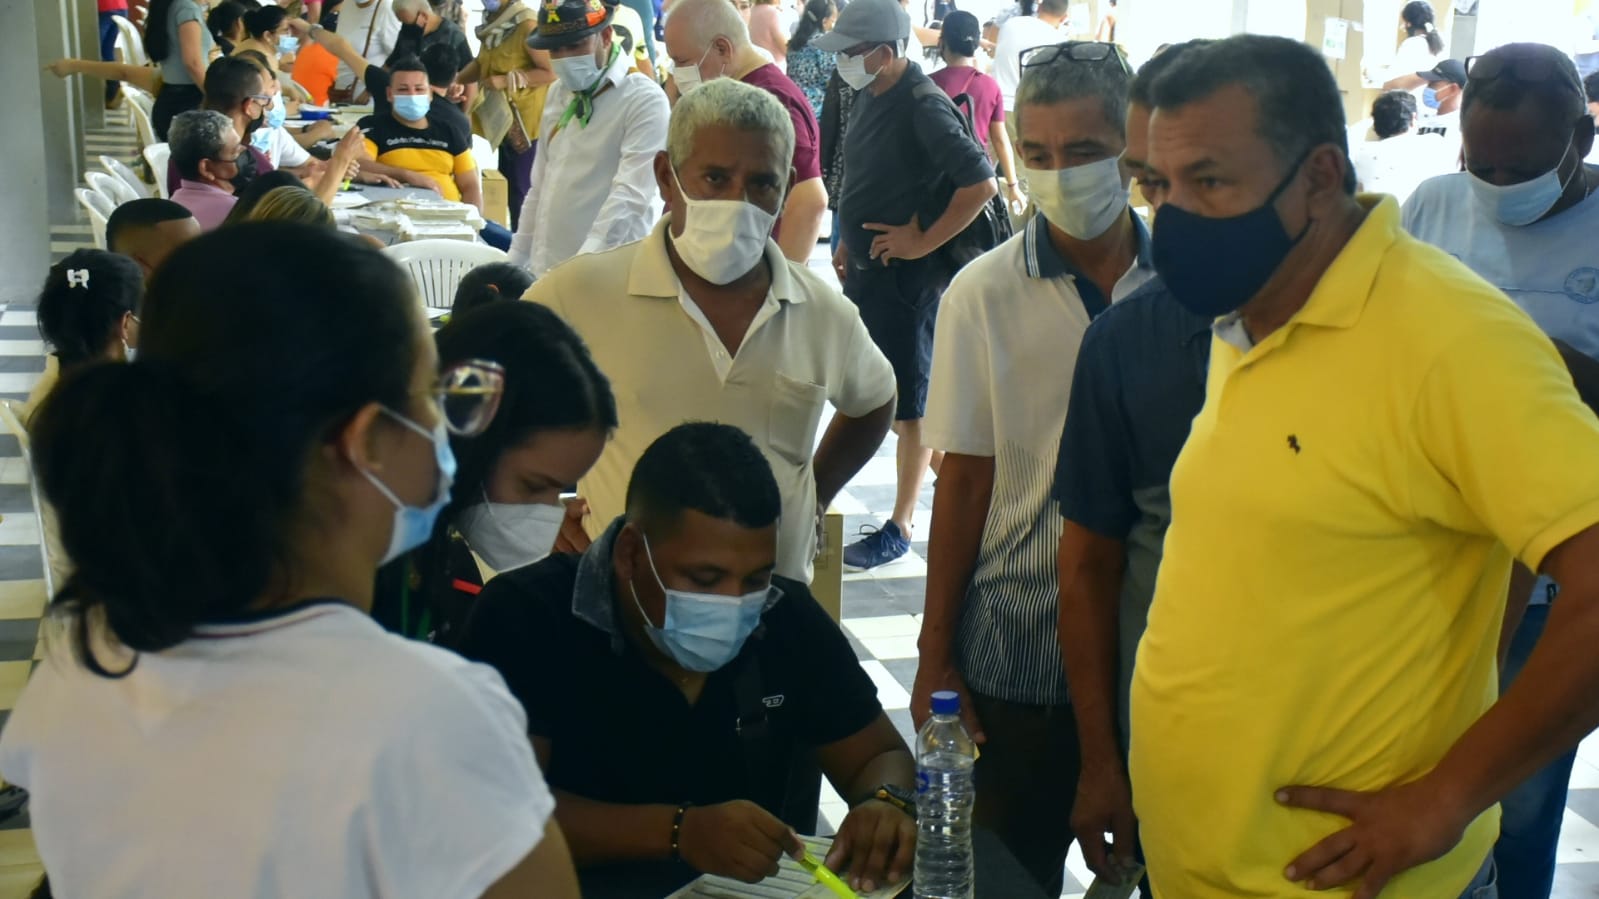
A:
[1139, 382]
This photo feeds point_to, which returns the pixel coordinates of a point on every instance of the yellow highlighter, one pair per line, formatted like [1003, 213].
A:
[826, 877]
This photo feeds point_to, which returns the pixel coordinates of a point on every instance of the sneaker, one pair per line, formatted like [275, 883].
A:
[879, 547]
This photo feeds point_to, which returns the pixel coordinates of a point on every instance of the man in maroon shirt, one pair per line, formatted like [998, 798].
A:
[707, 39]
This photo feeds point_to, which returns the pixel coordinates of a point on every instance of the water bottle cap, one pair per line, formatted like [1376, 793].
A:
[946, 702]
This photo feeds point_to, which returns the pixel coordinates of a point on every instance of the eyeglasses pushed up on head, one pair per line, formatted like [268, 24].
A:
[1075, 51]
[469, 394]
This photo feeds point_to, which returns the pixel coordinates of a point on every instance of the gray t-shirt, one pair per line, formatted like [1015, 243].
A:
[173, 71]
[898, 150]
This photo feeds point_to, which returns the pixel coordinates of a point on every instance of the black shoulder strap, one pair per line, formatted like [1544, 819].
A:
[930, 89]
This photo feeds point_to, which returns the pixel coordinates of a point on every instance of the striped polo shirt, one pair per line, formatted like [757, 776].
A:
[1003, 355]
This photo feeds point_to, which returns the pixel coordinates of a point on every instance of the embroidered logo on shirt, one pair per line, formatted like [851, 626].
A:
[1582, 285]
[1293, 443]
[773, 702]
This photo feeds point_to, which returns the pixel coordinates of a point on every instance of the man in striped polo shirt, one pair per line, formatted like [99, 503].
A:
[1003, 355]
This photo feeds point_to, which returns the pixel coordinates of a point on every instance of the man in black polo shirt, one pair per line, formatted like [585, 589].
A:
[913, 180]
[676, 689]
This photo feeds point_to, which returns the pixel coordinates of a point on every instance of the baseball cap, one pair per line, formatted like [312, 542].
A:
[563, 23]
[866, 22]
[1451, 70]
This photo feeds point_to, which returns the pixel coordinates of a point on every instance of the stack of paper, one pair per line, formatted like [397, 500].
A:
[791, 882]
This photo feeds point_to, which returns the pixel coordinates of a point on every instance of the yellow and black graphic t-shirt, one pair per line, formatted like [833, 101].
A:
[441, 150]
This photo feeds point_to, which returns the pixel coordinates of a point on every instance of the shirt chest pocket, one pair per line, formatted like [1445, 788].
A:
[795, 413]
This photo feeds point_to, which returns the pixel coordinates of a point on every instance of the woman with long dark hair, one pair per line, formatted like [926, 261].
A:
[555, 416]
[178, 41]
[1419, 51]
[808, 67]
[225, 500]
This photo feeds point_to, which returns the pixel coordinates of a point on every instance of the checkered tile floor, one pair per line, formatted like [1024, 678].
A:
[882, 608]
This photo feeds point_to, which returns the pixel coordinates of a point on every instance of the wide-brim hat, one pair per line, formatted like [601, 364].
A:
[562, 23]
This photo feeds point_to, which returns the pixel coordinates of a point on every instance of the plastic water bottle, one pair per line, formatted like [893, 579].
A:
[945, 754]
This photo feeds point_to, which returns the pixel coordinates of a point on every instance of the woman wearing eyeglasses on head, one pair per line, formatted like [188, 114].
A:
[556, 412]
[217, 714]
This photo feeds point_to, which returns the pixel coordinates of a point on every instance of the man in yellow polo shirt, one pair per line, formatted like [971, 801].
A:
[1314, 701]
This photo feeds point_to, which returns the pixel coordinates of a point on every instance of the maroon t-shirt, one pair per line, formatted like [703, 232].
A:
[988, 106]
[807, 138]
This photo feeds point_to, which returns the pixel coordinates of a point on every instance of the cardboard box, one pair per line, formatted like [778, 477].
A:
[496, 197]
[827, 579]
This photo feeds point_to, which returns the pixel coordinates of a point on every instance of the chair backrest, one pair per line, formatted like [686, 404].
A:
[126, 175]
[98, 210]
[11, 419]
[143, 130]
[110, 187]
[131, 42]
[437, 266]
[157, 155]
[484, 153]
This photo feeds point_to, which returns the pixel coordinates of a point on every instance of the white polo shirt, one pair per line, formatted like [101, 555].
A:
[805, 349]
[304, 752]
[1009, 327]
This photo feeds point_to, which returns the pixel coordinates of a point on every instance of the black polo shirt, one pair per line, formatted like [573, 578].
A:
[619, 730]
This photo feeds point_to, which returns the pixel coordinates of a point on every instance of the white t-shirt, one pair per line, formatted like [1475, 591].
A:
[358, 22]
[286, 152]
[1016, 36]
[1399, 164]
[1413, 56]
[302, 753]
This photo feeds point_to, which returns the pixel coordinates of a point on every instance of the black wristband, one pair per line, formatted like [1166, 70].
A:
[677, 831]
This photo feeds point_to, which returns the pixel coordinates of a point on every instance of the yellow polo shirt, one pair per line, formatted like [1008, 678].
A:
[1334, 579]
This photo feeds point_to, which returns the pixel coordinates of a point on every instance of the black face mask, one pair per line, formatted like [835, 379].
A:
[247, 171]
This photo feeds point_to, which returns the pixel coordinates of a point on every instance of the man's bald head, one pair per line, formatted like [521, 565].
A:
[148, 230]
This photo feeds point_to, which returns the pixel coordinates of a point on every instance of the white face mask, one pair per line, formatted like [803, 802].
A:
[578, 73]
[688, 77]
[511, 535]
[722, 239]
[1084, 200]
[853, 70]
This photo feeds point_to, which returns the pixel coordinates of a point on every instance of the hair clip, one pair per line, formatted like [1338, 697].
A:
[78, 277]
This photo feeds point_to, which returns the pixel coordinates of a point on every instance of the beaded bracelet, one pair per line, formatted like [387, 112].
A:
[677, 830]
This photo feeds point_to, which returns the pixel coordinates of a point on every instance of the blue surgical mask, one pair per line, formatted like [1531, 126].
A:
[1215, 265]
[1522, 204]
[1429, 98]
[278, 114]
[491, 5]
[703, 631]
[413, 107]
[261, 139]
[288, 44]
[414, 525]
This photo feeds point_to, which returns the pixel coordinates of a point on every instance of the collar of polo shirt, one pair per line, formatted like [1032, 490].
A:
[652, 274]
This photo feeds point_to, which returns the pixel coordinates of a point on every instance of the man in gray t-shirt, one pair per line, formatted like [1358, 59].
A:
[905, 145]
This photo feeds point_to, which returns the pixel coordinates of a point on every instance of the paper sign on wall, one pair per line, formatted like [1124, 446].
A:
[1335, 40]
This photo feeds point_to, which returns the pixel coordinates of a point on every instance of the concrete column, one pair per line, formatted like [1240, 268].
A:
[25, 215]
[57, 99]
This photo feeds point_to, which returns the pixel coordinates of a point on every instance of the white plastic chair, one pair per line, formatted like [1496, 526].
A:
[143, 129]
[130, 42]
[157, 155]
[126, 175]
[437, 266]
[49, 545]
[110, 187]
[99, 210]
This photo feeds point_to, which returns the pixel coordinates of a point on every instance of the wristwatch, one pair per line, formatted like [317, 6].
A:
[900, 798]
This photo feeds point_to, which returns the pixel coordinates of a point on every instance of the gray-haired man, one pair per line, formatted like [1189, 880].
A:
[705, 320]
[1021, 309]
[205, 150]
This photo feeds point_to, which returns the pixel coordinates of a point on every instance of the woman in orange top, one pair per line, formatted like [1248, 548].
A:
[315, 69]
[513, 80]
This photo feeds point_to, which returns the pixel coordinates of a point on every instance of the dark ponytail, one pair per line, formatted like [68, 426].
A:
[264, 19]
[1419, 19]
[810, 23]
[84, 300]
[179, 480]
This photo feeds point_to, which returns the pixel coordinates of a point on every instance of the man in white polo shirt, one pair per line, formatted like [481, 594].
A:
[705, 319]
[1003, 357]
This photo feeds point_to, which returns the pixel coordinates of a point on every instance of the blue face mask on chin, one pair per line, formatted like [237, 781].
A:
[413, 525]
[1215, 265]
[1522, 204]
[703, 631]
[277, 115]
[413, 107]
